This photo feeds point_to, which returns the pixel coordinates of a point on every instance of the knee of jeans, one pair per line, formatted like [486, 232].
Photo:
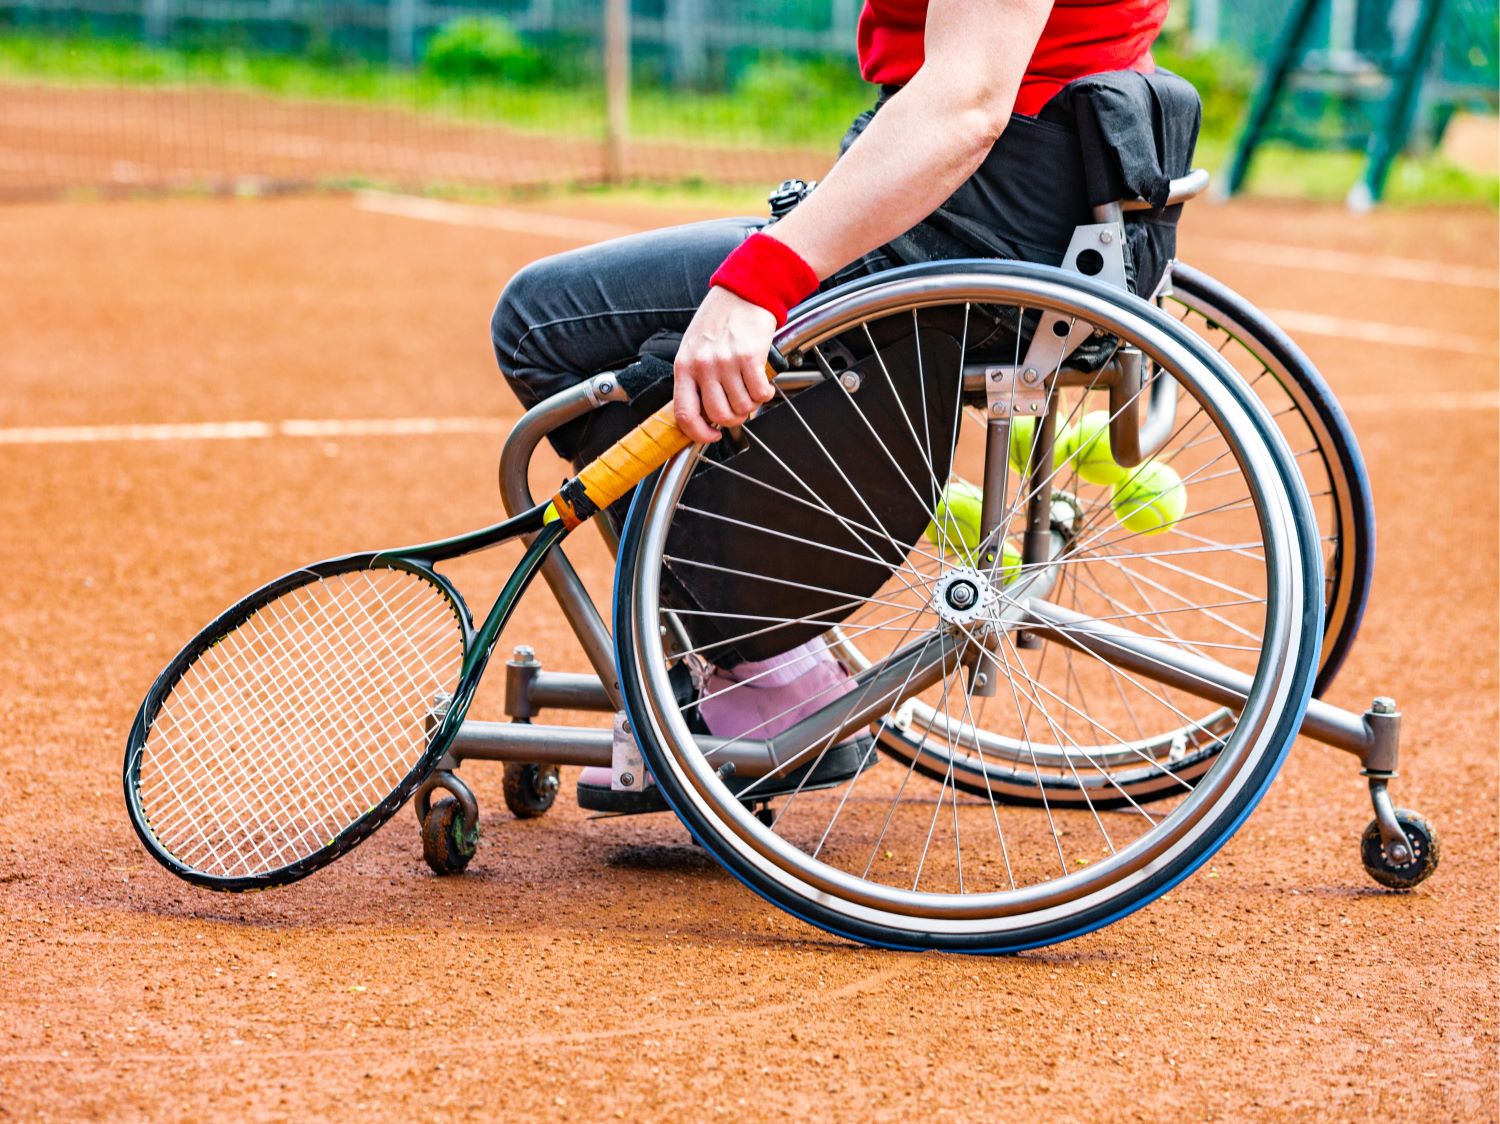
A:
[514, 314]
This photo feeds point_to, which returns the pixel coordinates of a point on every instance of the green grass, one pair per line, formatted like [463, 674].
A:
[1283, 171]
[656, 113]
[798, 108]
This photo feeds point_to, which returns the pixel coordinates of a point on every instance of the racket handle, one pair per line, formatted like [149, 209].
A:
[621, 467]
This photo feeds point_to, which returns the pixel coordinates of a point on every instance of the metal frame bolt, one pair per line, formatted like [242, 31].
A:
[1383, 705]
[627, 779]
[850, 381]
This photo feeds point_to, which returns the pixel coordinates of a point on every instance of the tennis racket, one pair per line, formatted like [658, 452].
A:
[304, 716]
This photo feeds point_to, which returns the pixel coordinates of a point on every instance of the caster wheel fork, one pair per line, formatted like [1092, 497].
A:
[1400, 847]
[450, 824]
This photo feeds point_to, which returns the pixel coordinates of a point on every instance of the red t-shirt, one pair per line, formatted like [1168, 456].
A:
[1081, 37]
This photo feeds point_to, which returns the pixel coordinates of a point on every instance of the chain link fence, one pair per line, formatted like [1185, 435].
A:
[125, 95]
[132, 94]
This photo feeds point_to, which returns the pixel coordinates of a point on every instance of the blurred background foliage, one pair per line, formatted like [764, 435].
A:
[778, 73]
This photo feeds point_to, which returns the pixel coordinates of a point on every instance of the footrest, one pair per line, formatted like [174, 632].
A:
[838, 765]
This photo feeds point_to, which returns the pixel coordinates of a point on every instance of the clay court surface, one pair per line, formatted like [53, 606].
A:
[607, 969]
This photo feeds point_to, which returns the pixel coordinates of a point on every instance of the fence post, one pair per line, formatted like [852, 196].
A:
[842, 24]
[402, 24]
[1204, 17]
[684, 27]
[616, 87]
[1284, 59]
[158, 20]
[1400, 107]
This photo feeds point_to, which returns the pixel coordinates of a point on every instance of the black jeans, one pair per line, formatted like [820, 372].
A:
[598, 308]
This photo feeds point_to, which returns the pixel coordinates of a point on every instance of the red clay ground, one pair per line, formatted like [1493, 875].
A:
[583, 969]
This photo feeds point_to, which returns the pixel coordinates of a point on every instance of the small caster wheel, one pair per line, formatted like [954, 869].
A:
[447, 842]
[1420, 835]
[530, 789]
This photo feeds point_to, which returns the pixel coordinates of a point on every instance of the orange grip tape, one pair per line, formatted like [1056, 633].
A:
[626, 463]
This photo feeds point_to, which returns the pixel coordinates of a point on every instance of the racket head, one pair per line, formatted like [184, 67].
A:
[295, 724]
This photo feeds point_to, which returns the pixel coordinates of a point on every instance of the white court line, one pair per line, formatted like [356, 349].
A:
[1415, 402]
[1374, 331]
[247, 430]
[492, 218]
[1312, 323]
[1419, 401]
[1342, 261]
[1260, 253]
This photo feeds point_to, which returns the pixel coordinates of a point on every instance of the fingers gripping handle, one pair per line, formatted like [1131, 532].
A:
[621, 467]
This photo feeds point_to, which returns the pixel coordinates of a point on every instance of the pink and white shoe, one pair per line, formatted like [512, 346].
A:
[758, 699]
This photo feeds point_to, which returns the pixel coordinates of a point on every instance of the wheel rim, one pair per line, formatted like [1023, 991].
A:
[1189, 749]
[1308, 435]
[1188, 824]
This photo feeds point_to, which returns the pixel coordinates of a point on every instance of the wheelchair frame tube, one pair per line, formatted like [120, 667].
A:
[515, 491]
[1193, 674]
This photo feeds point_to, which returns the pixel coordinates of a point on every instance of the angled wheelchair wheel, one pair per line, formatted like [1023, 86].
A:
[1328, 457]
[1056, 680]
[1316, 430]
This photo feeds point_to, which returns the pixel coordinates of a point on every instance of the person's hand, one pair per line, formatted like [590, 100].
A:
[720, 373]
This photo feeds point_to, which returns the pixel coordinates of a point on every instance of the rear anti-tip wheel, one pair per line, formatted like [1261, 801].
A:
[1421, 837]
[530, 789]
[448, 842]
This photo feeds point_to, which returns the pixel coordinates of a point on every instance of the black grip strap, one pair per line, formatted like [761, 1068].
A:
[643, 374]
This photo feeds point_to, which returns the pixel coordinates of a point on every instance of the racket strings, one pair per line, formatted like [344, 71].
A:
[325, 710]
[242, 789]
[303, 718]
[332, 702]
[295, 724]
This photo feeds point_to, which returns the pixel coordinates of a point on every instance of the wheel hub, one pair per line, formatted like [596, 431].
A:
[963, 595]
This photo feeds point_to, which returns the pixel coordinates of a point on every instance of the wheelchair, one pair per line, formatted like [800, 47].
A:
[1073, 706]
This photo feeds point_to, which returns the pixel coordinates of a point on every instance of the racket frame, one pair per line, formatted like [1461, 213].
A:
[478, 644]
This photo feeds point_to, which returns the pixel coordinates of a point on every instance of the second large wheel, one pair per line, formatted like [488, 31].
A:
[1323, 445]
[1320, 437]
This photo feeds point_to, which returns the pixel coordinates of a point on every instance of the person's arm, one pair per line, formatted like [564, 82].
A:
[922, 145]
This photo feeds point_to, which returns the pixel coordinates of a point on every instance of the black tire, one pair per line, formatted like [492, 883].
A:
[530, 789]
[1421, 836]
[1348, 575]
[448, 843]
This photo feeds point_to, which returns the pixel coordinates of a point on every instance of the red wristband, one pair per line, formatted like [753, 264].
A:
[769, 273]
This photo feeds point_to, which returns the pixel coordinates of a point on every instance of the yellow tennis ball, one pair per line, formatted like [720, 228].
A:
[1150, 498]
[1010, 563]
[1088, 446]
[1023, 437]
[955, 523]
